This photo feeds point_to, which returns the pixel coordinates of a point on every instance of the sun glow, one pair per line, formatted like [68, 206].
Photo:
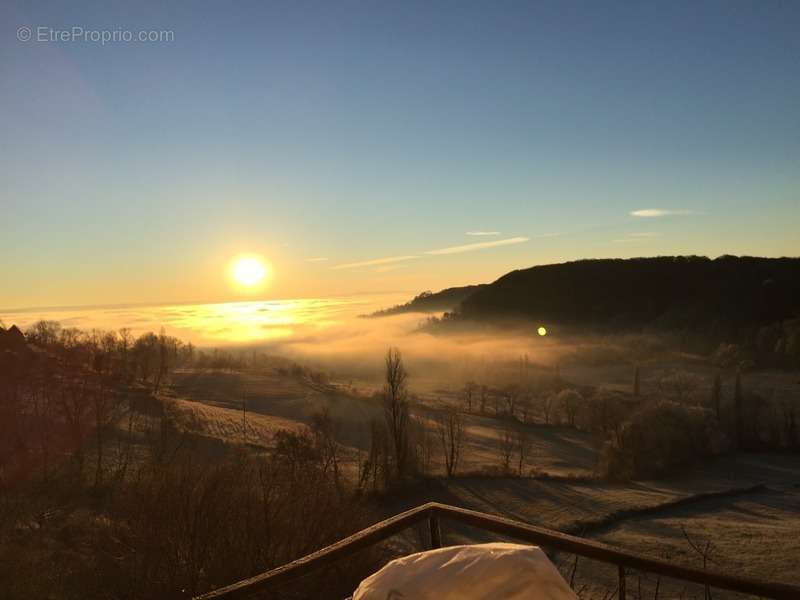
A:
[248, 272]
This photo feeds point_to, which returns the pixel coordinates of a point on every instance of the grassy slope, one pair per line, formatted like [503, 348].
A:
[227, 424]
[747, 529]
[563, 505]
[753, 534]
[276, 401]
[561, 451]
[285, 399]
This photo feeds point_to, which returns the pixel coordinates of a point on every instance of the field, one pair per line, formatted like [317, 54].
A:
[752, 534]
[753, 509]
[277, 401]
[227, 424]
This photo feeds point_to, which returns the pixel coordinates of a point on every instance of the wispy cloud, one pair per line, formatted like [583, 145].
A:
[643, 236]
[317, 259]
[483, 233]
[387, 268]
[391, 260]
[373, 262]
[478, 246]
[660, 212]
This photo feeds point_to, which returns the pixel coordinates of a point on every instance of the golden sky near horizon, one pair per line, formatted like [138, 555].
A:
[481, 142]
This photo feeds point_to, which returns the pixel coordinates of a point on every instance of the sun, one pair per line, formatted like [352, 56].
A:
[248, 271]
[542, 331]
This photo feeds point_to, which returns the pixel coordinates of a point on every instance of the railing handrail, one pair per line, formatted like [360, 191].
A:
[297, 568]
[609, 554]
[522, 531]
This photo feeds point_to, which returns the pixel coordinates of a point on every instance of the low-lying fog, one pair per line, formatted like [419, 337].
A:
[331, 334]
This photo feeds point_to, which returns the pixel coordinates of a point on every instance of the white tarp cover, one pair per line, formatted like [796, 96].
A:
[475, 572]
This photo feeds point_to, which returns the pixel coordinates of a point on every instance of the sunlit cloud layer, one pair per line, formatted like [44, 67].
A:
[478, 246]
[376, 261]
[317, 259]
[660, 212]
[207, 324]
[479, 233]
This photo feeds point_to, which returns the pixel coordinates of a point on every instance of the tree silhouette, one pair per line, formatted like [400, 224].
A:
[395, 407]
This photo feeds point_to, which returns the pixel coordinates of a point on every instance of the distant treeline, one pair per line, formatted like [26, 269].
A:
[751, 302]
[430, 302]
[719, 295]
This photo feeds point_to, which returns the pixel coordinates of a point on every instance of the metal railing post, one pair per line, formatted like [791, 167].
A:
[436, 533]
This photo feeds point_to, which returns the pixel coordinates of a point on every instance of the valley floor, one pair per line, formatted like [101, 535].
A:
[753, 531]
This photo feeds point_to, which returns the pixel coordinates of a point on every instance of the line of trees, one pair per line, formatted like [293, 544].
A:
[403, 443]
[148, 358]
[685, 421]
[62, 388]
[662, 423]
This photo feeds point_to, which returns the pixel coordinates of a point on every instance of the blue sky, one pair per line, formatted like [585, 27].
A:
[364, 131]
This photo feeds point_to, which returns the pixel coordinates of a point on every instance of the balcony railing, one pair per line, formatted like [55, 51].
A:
[433, 512]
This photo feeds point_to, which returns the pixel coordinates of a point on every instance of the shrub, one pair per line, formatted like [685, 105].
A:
[659, 437]
[568, 403]
[726, 356]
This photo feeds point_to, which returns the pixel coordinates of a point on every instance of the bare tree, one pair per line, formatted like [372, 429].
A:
[125, 344]
[570, 401]
[74, 406]
[144, 350]
[101, 413]
[44, 409]
[511, 394]
[44, 333]
[523, 442]
[395, 408]
[547, 407]
[524, 404]
[507, 444]
[468, 394]
[704, 550]
[451, 433]
[165, 345]
[323, 429]
[423, 441]
[374, 471]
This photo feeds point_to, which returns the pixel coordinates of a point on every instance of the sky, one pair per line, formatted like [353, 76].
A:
[374, 146]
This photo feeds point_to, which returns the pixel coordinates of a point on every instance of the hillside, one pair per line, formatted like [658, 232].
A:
[432, 302]
[717, 296]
